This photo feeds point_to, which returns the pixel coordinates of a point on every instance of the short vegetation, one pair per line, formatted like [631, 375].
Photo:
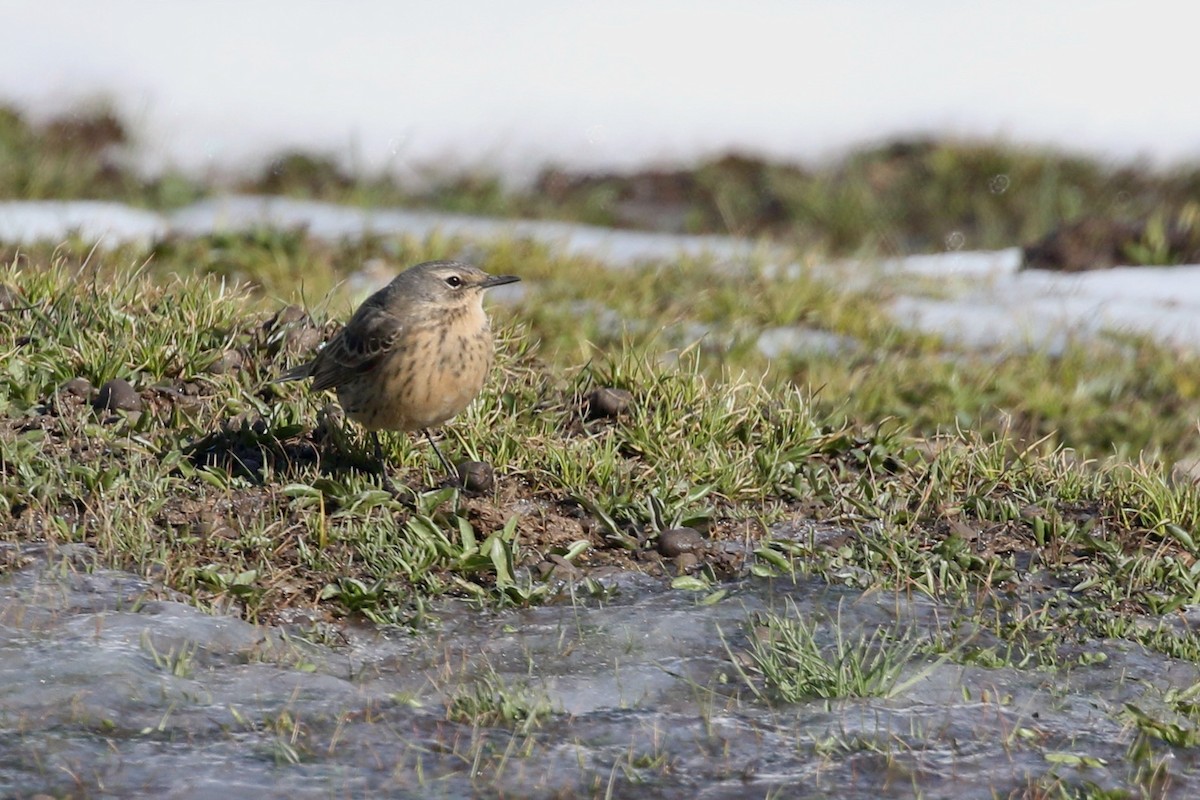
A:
[1049, 498]
[912, 195]
[951, 474]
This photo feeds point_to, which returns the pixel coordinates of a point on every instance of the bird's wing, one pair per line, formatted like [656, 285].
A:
[356, 348]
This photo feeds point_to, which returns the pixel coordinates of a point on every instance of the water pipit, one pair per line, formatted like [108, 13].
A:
[414, 354]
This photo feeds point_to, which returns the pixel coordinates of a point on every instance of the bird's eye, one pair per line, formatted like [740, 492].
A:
[454, 281]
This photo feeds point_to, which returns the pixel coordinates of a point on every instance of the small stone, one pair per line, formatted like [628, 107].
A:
[225, 363]
[238, 422]
[212, 528]
[1032, 512]
[677, 541]
[76, 387]
[963, 531]
[118, 395]
[303, 452]
[686, 562]
[302, 340]
[562, 569]
[476, 476]
[607, 402]
[288, 315]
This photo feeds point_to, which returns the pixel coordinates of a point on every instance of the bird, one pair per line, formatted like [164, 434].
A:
[413, 355]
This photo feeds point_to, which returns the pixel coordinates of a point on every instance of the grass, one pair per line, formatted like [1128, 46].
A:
[1122, 396]
[252, 497]
[490, 700]
[796, 662]
[84, 154]
[1030, 493]
[900, 196]
[265, 499]
[896, 197]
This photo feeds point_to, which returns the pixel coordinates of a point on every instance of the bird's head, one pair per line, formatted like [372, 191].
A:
[446, 284]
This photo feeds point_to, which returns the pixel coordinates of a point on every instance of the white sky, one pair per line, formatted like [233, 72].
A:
[512, 84]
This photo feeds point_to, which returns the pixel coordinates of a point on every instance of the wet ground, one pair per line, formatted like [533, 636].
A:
[106, 691]
[109, 688]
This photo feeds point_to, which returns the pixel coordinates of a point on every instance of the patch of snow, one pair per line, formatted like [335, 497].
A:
[982, 299]
[106, 223]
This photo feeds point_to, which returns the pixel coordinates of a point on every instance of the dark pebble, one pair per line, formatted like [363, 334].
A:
[607, 402]
[238, 422]
[118, 395]
[76, 387]
[677, 541]
[250, 462]
[304, 451]
[476, 476]
[686, 562]
[225, 363]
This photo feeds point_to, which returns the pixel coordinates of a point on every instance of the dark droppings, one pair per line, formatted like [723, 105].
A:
[117, 395]
[608, 403]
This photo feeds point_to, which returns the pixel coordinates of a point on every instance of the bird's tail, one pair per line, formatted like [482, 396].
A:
[298, 373]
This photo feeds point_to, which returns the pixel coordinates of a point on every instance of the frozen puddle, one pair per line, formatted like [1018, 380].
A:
[104, 693]
[987, 301]
[977, 300]
[54, 221]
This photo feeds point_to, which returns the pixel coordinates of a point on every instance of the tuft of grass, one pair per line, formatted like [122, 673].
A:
[800, 660]
[489, 701]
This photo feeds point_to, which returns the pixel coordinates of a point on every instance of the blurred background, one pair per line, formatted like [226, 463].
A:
[839, 125]
[615, 84]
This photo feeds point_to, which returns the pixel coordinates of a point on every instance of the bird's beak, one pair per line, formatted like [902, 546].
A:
[498, 280]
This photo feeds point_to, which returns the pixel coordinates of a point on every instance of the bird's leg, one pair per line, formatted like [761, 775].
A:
[450, 471]
[388, 486]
